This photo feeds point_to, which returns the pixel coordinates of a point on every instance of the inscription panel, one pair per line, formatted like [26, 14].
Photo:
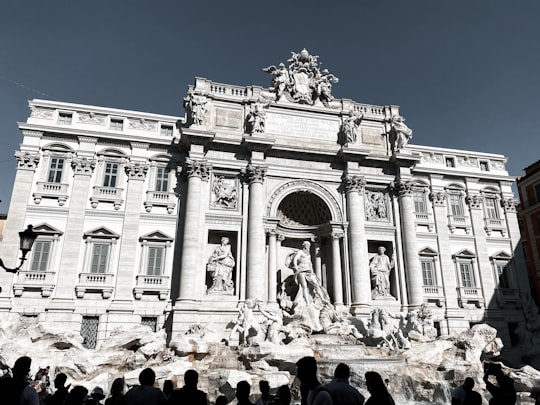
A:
[372, 136]
[303, 127]
[228, 118]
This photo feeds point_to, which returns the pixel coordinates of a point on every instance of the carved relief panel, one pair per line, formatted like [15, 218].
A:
[376, 205]
[224, 192]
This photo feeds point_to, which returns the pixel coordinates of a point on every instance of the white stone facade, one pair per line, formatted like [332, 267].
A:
[130, 207]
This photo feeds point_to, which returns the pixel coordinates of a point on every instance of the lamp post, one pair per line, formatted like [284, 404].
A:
[27, 238]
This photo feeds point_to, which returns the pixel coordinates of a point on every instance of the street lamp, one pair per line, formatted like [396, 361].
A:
[27, 238]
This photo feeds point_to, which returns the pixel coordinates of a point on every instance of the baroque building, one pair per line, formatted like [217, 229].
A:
[172, 221]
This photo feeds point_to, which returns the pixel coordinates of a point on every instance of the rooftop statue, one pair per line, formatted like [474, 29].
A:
[401, 133]
[303, 81]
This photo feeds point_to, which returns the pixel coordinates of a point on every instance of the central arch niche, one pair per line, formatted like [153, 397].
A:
[303, 208]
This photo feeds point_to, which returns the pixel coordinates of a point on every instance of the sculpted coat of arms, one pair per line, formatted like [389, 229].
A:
[303, 81]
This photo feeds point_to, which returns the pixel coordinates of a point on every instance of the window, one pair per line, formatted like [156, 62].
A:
[450, 162]
[117, 124]
[89, 331]
[111, 175]
[502, 273]
[428, 272]
[150, 321]
[162, 179]
[154, 265]
[65, 118]
[456, 204]
[419, 199]
[492, 210]
[467, 274]
[41, 253]
[484, 166]
[166, 130]
[537, 192]
[100, 258]
[56, 167]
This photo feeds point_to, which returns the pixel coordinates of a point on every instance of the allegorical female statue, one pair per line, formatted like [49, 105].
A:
[221, 265]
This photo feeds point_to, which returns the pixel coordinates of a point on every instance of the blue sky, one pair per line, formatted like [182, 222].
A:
[465, 73]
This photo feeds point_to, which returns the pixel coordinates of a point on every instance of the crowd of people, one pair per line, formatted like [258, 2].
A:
[17, 388]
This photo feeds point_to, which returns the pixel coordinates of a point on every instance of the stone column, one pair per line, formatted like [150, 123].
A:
[83, 167]
[127, 271]
[318, 259]
[272, 268]
[408, 229]
[197, 170]
[256, 240]
[279, 238]
[15, 223]
[360, 280]
[336, 269]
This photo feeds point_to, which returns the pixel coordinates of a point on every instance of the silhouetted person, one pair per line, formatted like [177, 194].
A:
[505, 393]
[313, 393]
[459, 394]
[341, 391]
[146, 393]
[377, 389]
[283, 396]
[188, 394]
[168, 388]
[77, 396]
[473, 398]
[222, 400]
[535, 394]
[243, 390]
[61, 392]
[116, 394]
[265, 398]
[16, 390]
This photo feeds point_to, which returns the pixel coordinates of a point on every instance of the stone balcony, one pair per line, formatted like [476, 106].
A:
[160, 199]
[95, 282]
[470, 295]
[34, 281]
[459, 221]
[151, 285]
[425, 219]
[57, 191]
[495, 224]
[434, 293]
[101, 194]
[507, 297]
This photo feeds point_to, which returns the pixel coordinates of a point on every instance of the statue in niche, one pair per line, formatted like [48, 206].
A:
[225, 195]
[379, 268]
[402, 134]
[300, 263]
[376, 206]
[221, 265]
[349, 128]
[196, 106]
[247, 325]
[256, 118]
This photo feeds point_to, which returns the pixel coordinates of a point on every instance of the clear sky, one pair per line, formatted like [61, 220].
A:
[465, 73]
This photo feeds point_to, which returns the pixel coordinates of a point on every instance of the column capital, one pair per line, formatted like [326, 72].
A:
[403, 188]
[26, 160]
[136, 171]
[509, 204]
[280, 237]
[255, 173]
[83, 166]
[438, 198]
[353, 183]
[336, 235]
[198, 168]
[474, 201]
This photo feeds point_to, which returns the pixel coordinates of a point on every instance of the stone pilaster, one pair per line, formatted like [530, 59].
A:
[509, 207]
[413, 270]
[256, 238]
[15, 223]
[336, 269]
[127, 270]
[197, 171]
[360, 279]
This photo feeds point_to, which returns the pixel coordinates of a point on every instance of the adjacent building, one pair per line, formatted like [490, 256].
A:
[163, 220]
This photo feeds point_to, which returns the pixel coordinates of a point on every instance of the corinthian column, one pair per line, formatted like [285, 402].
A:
[272, 268]
[197, 170]
[408, 229]
[255, 255]
[360, 280]
[336, 269]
